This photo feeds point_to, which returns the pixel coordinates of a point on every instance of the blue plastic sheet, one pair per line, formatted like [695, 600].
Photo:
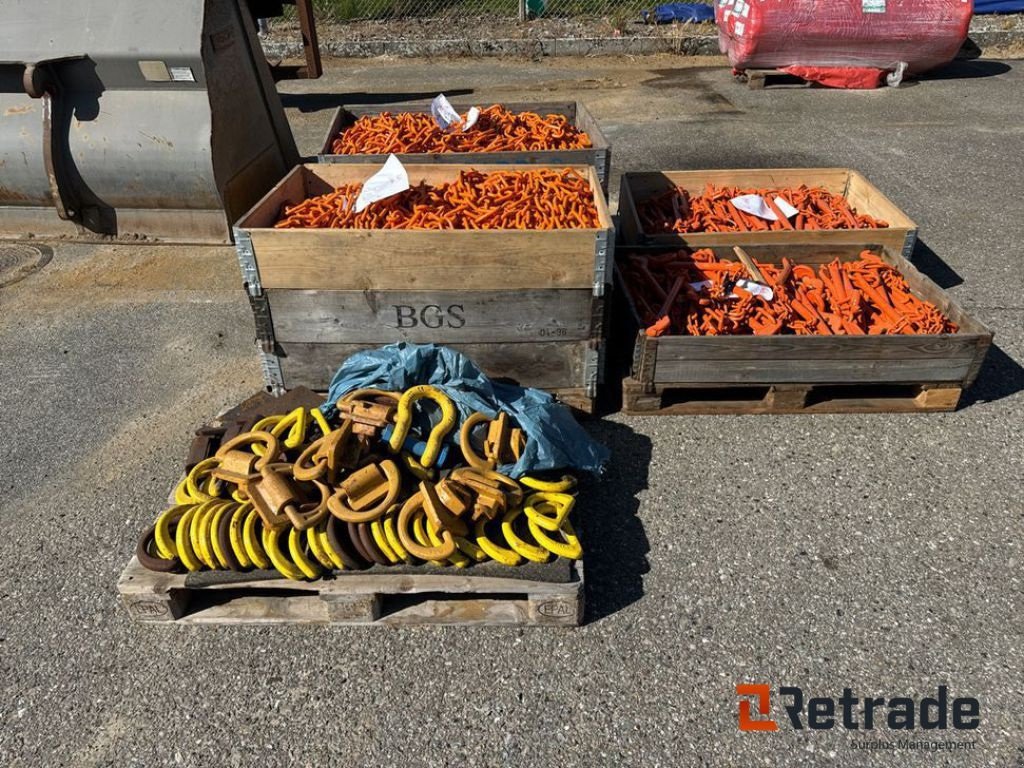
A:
[669, 12]
[553, 438]
[998, 6]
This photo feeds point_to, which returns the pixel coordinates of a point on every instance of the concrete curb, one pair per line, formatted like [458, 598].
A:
[703, 45]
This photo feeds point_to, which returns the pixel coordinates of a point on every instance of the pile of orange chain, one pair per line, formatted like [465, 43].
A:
[713, 211]
[696, 295]
[496, 130]
[534, 199]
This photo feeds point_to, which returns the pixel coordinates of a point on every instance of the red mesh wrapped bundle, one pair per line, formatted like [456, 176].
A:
[842, 33]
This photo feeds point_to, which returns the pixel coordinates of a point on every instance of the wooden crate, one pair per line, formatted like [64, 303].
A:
[803, 374]
[380, 596]
[864, 196]
[525, 305]
[599, 155]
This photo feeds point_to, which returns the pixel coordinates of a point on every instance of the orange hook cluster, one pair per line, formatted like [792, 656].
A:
[496, 130]
[713, 211]
[697, 294]
[534, 199]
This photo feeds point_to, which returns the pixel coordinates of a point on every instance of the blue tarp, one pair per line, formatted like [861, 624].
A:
[669, 12]
[999, 6]
[553, 438]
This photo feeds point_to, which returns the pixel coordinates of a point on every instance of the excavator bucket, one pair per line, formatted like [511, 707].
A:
[138, 119]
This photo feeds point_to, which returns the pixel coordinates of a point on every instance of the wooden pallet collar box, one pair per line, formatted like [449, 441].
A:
[865, 197]
[526, 305]
[767, 360]
[598, 155]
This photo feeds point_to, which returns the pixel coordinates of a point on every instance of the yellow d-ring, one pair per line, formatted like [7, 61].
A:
[456, 558]
[391, 535]
[570, 546]
[493, 551]
[281, 563]
[321, 421]
[316, 546]
[403, 421]
[294, 423]
[251, 540]
[196, 530]
[377, 531]
[320, 533]
[162, 534]
[418, 546]
[559, 504]
[183, 542]
[567, 483]
[201, 473]
[214, 528]
[467, 547]
[527, 550]
[466, 441]
[181, 494]
[235, 534]
[309, 567]
[266, 440]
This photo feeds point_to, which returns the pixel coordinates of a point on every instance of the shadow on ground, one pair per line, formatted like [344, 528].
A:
[1000, 376]
[967, 69]
[613, 537]
[931, 265]
[315, 102]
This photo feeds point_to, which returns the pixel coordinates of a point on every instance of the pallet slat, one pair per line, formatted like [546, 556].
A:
[458, 598]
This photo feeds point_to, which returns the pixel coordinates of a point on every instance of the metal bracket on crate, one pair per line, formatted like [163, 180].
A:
[604, 252]
[261, 316]
[593, 367]
[247, 261]
[601, 163]
[270, 364]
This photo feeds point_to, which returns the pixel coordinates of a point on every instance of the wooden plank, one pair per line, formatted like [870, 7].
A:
[384, 317]
[769, 371]
[547, 365]
[899, 236]
[435, 596]
[821, 349]
[424, 260]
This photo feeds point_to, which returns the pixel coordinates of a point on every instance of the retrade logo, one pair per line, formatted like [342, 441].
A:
[820, 713]
[762, 693]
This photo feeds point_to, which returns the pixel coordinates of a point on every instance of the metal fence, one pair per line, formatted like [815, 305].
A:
[353, 10]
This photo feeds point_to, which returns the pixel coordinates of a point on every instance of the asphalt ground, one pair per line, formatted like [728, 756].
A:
[876, 552]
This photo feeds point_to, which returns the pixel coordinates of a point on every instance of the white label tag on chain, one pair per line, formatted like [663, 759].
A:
[471, 117]
[391, 179]
[873, 6]
[757, 289]
[701, 285]
[444, 113]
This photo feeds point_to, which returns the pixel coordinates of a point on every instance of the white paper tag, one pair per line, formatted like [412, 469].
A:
[873, 6]
[757, 289]
[755, 206]
[444, 113]
[787, 210]
[391, 179]
[471, 117]
[701, 285]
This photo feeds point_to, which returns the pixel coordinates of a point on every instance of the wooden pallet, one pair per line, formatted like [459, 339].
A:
[759, 79]
[377, 596]
[670, 399]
